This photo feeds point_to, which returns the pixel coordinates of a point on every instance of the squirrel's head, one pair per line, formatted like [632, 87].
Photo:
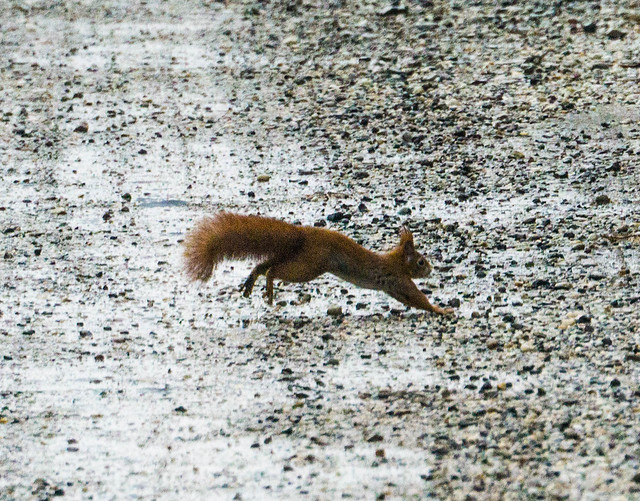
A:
[415, 263]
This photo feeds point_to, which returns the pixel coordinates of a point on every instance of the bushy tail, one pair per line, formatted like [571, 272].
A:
[232, 236]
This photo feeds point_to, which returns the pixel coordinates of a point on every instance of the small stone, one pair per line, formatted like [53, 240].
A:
[485, 387]
[82, 128]
[454, 302]
[602, 200]
[501, 386]
[614, 167]
[291, 40]
[380, 453]
[527, 346]
[263, 178]
[180, 410]
[334, 311]
[541, 283]
[616, 35]
[375, 438]
[393, 10]
[492, 344]
[570, 320]
[337, 216]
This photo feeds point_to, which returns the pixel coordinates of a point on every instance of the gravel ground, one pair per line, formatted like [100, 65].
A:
[505, 134]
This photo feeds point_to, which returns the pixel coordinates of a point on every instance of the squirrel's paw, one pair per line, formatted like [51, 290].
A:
[443, 311]
[247, 287]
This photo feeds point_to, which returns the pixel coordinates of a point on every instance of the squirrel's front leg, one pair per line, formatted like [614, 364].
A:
[407, 293]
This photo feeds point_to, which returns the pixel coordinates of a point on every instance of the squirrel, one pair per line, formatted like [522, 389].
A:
[301, 253]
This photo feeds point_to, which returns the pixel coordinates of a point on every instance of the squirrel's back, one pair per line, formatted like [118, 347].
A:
[234, 236]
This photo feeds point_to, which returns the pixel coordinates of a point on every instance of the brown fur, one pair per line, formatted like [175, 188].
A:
[302, 253]
[232, 236]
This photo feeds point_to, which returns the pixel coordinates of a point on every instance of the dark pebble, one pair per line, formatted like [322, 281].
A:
[541, 283]
[616, 35]
[338, 216]
[393, 10]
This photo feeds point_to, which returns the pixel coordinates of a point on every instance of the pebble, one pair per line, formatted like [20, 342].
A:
[334, 311]
[82, 128]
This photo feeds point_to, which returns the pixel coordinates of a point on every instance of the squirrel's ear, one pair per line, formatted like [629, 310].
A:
[406, 240]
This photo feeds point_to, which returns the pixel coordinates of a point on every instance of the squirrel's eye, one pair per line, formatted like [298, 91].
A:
[420, 262]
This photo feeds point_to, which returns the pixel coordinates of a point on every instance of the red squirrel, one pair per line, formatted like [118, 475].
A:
[302, 253]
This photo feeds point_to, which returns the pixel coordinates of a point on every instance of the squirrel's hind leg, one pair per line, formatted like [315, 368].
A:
[269, 287]
[247, 287]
